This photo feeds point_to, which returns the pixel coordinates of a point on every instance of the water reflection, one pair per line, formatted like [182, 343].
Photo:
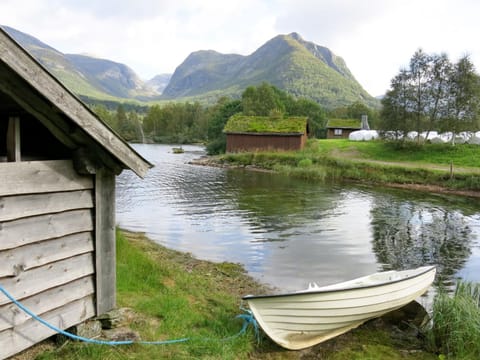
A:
[288, 232]
[409, 234]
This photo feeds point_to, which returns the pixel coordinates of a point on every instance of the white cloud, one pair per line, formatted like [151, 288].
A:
[154, 36]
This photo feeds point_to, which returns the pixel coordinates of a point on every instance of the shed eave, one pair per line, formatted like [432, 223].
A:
[30, 70]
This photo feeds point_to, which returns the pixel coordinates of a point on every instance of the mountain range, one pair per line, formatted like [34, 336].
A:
[290, 63]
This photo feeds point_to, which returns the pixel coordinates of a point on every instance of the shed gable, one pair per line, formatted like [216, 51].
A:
[32, 87]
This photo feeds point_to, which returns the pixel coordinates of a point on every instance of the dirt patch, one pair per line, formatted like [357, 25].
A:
[350, 153]
[35, 351]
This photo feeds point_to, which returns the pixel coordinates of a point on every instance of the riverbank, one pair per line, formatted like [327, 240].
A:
[431, 167]
[171, 295]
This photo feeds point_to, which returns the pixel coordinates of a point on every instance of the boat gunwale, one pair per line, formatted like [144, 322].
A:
[320, 291]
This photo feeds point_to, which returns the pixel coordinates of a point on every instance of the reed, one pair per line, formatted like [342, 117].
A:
[455, 330]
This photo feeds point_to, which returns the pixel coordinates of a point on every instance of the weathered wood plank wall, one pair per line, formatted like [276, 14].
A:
[344, 135]
[34, 177]
[47, 258]
[253, 142]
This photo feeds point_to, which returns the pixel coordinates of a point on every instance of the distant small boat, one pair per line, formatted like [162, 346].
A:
[178, 150]
[305, 318]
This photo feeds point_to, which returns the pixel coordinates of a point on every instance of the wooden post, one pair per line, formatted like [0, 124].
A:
[105, 246]
[13, 140]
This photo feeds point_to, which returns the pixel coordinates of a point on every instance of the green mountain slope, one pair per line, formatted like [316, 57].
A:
[111, 77]
[201, 72]
[287, 61]
[85, 75]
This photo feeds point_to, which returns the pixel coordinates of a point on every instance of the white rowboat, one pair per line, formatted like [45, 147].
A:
[305, 318]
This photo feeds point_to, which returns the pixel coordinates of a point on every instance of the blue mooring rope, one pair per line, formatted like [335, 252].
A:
[248, 319]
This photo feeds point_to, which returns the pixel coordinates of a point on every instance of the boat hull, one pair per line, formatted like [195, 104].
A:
[299, 320]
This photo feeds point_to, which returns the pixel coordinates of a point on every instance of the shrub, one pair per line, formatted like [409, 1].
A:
[305, 163]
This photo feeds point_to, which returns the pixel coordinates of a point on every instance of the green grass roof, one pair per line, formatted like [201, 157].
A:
[264, 124]
[345, 123]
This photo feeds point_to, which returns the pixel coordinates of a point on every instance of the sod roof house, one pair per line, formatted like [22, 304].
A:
[341, 128]
[58, 164]
[252, 133]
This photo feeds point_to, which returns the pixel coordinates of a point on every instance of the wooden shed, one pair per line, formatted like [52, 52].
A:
[58, 164]
[253, 133]
[341, 128]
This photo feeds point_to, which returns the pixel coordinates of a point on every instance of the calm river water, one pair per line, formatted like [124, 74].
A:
[288, 232]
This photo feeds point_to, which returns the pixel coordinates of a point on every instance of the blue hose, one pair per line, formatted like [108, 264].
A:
[248, 319]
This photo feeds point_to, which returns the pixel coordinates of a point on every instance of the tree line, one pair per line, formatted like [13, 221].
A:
[432, 94]
[180, 123]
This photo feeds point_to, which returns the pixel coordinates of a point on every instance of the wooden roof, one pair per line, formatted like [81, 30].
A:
[38, 92]
[344, 124]
[239, 124]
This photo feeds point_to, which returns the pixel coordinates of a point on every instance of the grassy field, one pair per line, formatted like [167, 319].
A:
[462, 155]
[441, 165]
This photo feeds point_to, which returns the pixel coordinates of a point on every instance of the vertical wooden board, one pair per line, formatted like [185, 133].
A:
[34, 281]
[38, 228]
[20, 206]
[105, 247]
[11, 316]
[13, 140]
[24, 258]
[33, 177]
[12, 341]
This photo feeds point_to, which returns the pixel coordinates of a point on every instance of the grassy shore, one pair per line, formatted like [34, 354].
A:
[433, 167]
[173, 295]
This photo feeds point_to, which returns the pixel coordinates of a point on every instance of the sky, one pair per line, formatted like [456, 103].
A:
[376, 38]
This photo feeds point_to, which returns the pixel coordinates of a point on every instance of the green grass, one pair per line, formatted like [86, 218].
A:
[172, 301]
[374, 162]
[265, 124]
[345, 123]
[455, 331]
[460, 155]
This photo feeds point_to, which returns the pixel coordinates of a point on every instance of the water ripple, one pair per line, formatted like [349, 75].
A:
[289, 232]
